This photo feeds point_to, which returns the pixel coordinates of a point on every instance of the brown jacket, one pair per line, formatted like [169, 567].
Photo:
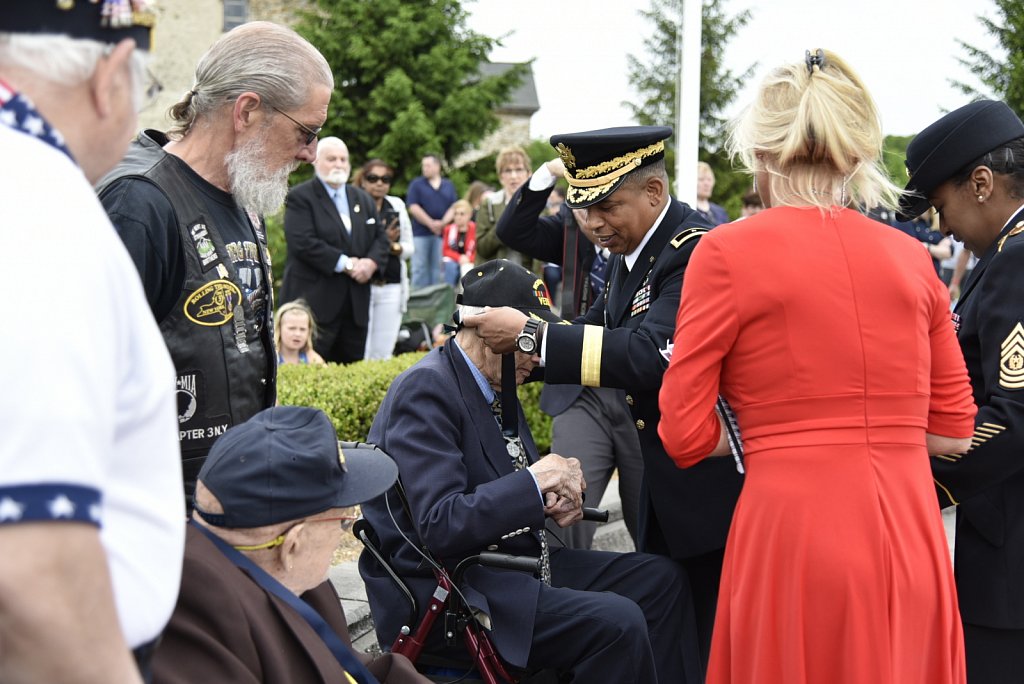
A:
[226, 628]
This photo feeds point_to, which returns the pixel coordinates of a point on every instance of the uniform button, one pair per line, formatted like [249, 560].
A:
[263, 380]
[629, 399]
[640, 424]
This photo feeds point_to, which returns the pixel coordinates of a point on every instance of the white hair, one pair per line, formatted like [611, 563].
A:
[65, 61]
[60, 59]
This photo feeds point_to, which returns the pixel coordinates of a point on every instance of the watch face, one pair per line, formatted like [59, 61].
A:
[527, 344]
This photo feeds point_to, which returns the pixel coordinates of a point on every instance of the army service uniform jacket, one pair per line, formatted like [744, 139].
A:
[988, 481]
[625, 341]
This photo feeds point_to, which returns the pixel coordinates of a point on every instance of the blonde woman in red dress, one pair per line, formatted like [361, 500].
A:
[842, 367]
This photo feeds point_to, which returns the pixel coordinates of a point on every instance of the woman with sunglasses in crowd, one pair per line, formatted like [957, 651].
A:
[389, 293]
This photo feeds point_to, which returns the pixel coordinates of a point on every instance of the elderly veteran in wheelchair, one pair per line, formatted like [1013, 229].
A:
[255, 603]
[475, 482]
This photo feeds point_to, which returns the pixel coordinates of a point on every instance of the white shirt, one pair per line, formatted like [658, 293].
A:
[89, 404]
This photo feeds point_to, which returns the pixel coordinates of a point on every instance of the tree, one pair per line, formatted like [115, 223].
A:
[655, 79]
[1004, 79]
[407, 78]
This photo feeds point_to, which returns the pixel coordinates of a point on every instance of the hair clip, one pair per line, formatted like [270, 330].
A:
[815, 60]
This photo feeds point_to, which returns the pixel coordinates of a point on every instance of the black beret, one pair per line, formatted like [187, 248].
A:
[949, 144]
[76, 19]
[596, 162]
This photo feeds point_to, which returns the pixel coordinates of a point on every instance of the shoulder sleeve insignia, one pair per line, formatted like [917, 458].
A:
[687, 235]
[1016, 230]
[1011, 359]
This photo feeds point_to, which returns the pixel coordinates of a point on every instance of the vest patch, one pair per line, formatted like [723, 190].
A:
[213, 304]
[204, 246]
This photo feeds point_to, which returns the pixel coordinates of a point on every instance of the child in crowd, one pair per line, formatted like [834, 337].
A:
[294, 331]
[459, 244]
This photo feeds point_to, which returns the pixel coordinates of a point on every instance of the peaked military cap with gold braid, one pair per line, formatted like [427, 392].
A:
[597, 162]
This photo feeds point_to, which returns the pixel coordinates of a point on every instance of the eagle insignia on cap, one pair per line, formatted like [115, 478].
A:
[567, 156]
[1011, 359]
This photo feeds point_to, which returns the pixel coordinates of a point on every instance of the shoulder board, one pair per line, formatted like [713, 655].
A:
[1016, 230]
[687, 235]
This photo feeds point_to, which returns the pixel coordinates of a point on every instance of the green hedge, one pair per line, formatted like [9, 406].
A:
[351, 394]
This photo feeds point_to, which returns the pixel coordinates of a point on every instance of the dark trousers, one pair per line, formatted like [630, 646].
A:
[704, 573]
[598, 430]
[341, 340]
[615, 618]
[994, 656]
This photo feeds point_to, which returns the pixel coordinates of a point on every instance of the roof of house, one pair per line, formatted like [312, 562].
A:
[522, 99]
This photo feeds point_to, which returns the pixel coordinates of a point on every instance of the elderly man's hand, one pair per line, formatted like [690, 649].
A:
[363, 270]
[562, 477]
[562, 511]
[498, 328]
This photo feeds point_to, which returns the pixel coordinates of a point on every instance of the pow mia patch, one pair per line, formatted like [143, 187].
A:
[189, 386]
[213, 304]
[1011, 359]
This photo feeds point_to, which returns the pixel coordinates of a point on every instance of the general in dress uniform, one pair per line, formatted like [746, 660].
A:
[625, 340]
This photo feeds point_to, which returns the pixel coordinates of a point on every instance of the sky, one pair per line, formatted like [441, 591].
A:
[904, 50]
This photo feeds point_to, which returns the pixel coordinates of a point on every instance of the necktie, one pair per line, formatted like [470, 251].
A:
[341, 203]
[597, 275]
[514, 445]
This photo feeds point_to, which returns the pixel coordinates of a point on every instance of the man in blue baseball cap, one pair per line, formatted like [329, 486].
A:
[969, 165]
[270, 509]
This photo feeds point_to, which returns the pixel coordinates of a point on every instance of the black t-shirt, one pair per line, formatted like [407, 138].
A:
[145, 220]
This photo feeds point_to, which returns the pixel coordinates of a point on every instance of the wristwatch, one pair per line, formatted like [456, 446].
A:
[527, 341]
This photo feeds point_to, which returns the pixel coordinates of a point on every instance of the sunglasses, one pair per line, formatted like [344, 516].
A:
[310, 132]
[373, 178]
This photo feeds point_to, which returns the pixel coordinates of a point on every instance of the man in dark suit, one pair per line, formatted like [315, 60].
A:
[968, 165]
[618, 176]
[335, 244]
[589, 423]
[474, 482]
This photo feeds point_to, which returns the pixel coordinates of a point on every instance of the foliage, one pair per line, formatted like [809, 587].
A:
[894, 153]
[655, 79]
[351, 394]
[278, 248]
[1003, 78]
[407, 79]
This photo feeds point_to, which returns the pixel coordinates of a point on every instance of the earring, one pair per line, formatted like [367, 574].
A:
[981, 198]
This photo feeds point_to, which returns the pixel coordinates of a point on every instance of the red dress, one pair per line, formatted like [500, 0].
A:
[831, 338]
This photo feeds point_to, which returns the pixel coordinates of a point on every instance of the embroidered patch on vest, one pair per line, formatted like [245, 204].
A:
[955, 317]
[213, 304]
[204, 246]
[1011, 359]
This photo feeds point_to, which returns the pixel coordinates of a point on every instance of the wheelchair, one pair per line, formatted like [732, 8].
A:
[460, 626]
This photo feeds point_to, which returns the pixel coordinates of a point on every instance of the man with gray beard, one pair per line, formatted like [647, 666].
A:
[336, 244]
[188, 204]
